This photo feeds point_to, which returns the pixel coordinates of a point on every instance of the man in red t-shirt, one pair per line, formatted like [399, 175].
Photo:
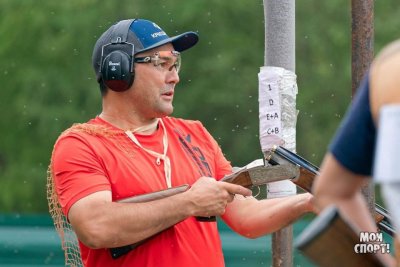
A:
[134, 148]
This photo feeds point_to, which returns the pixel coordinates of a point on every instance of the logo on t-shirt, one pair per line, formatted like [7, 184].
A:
[195, 153]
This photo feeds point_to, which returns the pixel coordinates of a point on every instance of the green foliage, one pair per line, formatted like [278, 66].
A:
[48, 82]
[323, 66]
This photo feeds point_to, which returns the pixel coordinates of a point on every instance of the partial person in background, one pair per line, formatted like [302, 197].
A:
[350, 160]
[133, 147]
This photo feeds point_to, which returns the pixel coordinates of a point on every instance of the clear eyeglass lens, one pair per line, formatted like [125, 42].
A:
[167, 60]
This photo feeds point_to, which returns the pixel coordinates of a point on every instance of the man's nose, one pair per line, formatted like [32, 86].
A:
[173, 76]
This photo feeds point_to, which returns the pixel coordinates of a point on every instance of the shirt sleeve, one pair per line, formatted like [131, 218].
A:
[354, 142]
[77, 171]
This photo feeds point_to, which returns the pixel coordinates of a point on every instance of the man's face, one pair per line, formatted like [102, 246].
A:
[153, 87]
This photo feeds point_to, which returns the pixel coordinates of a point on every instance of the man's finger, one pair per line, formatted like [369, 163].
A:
[231, 197]
[236, 189]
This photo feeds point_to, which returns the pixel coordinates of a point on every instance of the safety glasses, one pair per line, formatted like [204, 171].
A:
[164, 59]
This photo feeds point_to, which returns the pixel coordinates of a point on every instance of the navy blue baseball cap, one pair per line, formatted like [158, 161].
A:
[144, 35]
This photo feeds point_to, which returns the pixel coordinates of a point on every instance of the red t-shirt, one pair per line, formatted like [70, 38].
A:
[97, 156]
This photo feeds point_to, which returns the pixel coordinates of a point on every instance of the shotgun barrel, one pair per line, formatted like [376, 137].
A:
[279, 156]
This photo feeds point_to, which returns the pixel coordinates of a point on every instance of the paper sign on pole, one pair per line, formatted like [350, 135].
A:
[278, 115]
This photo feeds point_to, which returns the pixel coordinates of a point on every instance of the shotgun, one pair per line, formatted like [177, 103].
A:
[283, 165]
[253, 174]
[330, 229]
[281, 156]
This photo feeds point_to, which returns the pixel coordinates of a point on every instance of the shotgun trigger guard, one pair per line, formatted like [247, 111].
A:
[259, 191]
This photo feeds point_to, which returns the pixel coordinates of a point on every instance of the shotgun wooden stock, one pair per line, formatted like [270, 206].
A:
[329, 231]
[156, 195]
[308, 172]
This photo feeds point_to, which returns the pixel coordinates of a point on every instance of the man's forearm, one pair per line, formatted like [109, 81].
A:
[113, 224]
[336, 185]
[253, 218]
[357, 211]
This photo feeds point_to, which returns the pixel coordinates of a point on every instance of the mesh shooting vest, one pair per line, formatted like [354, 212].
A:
[69, 241]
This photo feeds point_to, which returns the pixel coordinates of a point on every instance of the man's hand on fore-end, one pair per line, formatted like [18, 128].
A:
[209, 197]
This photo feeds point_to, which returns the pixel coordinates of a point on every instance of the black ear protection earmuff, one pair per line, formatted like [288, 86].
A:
[117, 71]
